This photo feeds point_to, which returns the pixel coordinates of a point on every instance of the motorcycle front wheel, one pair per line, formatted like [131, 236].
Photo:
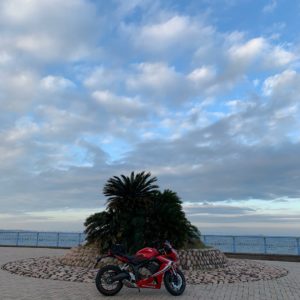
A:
[175, 283]
[103, 280]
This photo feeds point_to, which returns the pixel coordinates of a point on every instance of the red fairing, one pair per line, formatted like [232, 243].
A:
[173, 255]
[163, 265]
[147, 252]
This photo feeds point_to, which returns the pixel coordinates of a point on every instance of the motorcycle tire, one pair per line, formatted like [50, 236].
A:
[116, 286]
[175, 285]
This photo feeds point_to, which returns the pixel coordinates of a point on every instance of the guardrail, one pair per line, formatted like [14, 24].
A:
[254, 244]
[41, 239]
[226, 243]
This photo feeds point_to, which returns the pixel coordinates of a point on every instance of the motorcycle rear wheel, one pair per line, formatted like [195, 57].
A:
[104, 286]
[175, 284]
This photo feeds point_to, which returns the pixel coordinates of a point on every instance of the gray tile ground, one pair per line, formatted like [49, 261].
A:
[14, 287]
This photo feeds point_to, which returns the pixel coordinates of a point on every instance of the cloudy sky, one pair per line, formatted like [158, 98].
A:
[203, 94]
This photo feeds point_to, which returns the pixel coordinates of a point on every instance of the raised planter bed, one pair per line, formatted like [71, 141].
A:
[193, 259]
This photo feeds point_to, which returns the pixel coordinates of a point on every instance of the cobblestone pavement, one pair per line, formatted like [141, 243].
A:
[237, 270]
[14, 287]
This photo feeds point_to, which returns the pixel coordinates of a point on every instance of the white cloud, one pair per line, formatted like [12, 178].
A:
[239, 105]
[206, 81]
[232, 57]
[23, 129]
[119, 105]
[287, 112]
[246, 53]
[279, 84]
[255, 55]
[49, 30]
[101, 77]
[63, 125]
[155, 76]
[160, 36]
[278, 57]
[17, 89]
[202, 76]
[15, 142]
[159, 83]
[56, 83]
[270, 7]
[5, 58]
[170, 35]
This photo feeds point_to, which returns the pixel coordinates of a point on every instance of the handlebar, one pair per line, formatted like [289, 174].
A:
[167, 248]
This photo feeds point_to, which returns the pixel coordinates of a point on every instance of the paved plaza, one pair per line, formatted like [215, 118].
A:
[17, 287]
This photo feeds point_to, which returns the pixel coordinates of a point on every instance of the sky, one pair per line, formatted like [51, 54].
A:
[202, 94]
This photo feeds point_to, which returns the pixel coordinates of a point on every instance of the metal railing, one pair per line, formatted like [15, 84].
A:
[254, 244]
[226, 243]
[41, 239]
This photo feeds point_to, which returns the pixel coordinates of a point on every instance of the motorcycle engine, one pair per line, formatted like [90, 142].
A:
[149, 269]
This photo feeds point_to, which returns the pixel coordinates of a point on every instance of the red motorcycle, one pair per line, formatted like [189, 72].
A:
[146, 269]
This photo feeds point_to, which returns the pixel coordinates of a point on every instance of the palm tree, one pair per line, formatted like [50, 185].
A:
[138, 214]
[170, 223]
[99, 229]
[129, 192]
[129, 199]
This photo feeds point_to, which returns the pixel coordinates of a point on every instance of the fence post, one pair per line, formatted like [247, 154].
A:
[37, 239]
[298, 245]
[265, 245]
[57, 242]
[233, 244]
[18, 235]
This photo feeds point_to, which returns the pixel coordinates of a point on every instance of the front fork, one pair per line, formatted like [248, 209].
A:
[173, 270]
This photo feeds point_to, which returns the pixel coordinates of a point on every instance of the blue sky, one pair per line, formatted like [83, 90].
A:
[203, 94]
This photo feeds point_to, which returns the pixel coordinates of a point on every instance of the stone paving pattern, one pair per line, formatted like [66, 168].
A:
[14, 287]
[236, 270]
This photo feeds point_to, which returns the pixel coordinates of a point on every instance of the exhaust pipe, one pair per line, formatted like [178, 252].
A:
[120, 277]
[129, 284]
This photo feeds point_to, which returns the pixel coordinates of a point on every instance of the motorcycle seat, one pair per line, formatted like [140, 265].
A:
[134, 259]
